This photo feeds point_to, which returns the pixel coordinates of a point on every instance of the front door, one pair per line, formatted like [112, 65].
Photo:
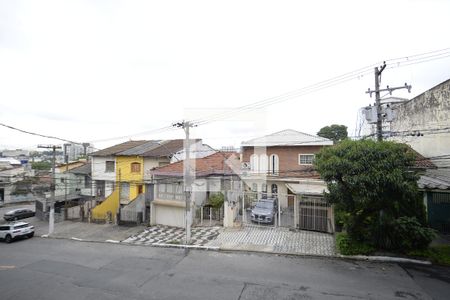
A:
[125, 191]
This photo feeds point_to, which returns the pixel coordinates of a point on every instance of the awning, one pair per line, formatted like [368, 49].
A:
[308, 188]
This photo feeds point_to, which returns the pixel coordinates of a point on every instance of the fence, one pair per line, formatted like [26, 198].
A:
[286, 210]
[315, 214]
[80, 211]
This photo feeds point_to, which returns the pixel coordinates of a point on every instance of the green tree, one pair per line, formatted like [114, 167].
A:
[216, 200]
[373, 184]
[41, 165]
[334, 132]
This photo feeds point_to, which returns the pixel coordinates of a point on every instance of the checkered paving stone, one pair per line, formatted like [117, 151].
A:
[281, 239]
[200, 236]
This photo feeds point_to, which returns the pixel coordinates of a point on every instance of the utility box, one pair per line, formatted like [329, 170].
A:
[370, 112]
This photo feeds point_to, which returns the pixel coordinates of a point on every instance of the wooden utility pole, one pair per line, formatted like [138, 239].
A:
[377, 91]
[51, 218]
[377, 102]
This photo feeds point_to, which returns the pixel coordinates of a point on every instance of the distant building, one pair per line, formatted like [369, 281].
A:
[75, 151]
[15, 153]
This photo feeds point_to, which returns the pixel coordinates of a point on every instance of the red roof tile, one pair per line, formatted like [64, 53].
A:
[220, 163]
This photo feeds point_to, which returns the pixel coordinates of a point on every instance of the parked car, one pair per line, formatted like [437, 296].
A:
[264, 211]
[20, 213]
[15, 230]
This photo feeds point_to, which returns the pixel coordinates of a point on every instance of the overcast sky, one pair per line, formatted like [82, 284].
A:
[94, 70]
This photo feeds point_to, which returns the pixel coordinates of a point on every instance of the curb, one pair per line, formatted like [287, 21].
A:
[380, 259]
[388, 259]
[228, 249]
[194, 247]
[160, 245]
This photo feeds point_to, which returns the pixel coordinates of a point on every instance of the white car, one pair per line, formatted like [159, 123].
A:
[12, 231]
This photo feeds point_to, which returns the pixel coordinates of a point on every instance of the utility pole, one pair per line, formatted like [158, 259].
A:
[377, 98]
[66, 161]
[187, 170]
[51, 218]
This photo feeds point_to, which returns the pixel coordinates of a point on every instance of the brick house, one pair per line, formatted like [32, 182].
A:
[281, 164]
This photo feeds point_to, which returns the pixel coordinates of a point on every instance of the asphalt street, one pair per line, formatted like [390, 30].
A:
[40, 268]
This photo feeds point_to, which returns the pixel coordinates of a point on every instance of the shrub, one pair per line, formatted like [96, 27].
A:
[405, 234]
[437, 254]
[216, 200]
[348, 246]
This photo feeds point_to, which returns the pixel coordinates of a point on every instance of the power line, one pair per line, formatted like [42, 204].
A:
[39, 134]
[397, 62]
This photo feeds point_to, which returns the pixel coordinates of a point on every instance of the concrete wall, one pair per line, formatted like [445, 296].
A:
[428, 111]
[150, 163]
[98, 168]
[129, 213]
[109, 206]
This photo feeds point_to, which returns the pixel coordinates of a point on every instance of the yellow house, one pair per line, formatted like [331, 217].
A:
[129, 177]
[132, 169]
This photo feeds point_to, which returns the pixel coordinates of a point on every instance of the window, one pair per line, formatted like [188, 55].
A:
[274, 163]
[109, 166]
[263, 163]
[254, 163]
[135, 167]
[264, 188]
[254, 187]
[274, 189]
[305, 159]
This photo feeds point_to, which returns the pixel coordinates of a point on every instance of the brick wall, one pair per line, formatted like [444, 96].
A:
[288, 156]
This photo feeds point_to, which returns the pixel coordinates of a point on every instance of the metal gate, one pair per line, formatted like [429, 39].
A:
[267, 209]
[315, 214]
[438, 205]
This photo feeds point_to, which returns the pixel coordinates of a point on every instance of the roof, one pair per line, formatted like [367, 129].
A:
[82, 170]
[156, 148]
[219, 163]
[166, 148]
[140, 149]
[421, 161]
[117, 148]
[308, 187]
[288, 137]
[435, 179]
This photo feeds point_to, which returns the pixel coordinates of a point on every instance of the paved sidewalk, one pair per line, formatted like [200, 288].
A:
[155, 235]
[278, 240]
[249, 238]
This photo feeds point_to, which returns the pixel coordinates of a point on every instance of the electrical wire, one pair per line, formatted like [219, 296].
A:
[392, 63]
[39, 134]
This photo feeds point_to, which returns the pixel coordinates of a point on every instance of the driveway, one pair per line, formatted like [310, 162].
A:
[277, 240]
[248, 238]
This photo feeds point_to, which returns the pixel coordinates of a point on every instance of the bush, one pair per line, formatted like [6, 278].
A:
[405, 234]
[216, 200]
[437, 254]
[348, 246]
